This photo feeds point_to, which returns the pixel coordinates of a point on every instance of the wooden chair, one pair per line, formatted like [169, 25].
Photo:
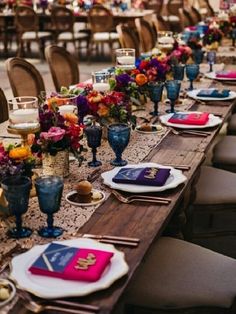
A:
[63, 20]
[25, 79]
[185, 20]
[180, 277]
[159, 24]
[3, 107]
[195, 15]
[155, 5]
[101, 24]
[63, 66]
[224, 153]
[27, 26]
[146, 34]
[173, 6]
[128, 38]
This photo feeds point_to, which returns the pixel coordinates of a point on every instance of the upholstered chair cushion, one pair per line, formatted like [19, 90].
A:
[69, 36]
[231, 128]
[224, 154]
[105, 36]
[33, 35]
[179, 274]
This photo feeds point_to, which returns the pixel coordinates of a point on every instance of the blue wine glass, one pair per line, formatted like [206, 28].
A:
[94, 136]
[198, 55]
[17, 191]
[192, 71]
[118, 137]
[155, 93]
[178, 71]
[233, 36]
[211, 59]
[49, 191]
[173, 89]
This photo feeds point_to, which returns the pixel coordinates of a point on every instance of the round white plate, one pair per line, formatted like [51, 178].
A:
[212, 75]
[92, 203]
[213, 121]
[193, 94]
[11, 288]
[49, 288]
[176, 177]
[155, 129]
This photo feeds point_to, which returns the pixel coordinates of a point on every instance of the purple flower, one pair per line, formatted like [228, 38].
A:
[123, 79]
[83, 107]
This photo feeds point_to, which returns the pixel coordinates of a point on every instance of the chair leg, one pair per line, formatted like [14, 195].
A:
[20, 51]
[41, 49]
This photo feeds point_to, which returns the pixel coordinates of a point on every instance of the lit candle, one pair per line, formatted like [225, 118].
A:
[129, 60]
[23, 116]
[101, 87]
[67, 109]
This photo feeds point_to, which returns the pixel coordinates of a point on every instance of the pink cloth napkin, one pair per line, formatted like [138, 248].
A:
[227, 74]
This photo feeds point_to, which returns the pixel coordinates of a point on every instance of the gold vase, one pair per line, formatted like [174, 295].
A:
[57, 165]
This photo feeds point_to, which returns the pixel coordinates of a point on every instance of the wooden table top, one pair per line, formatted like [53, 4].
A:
[143, 220]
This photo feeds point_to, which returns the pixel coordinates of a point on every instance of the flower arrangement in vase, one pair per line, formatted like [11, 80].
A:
[212, 38]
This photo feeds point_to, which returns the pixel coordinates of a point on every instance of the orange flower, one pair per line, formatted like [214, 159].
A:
[20, 153]
[141, 79]
[103, 111]
[30, 139]
[71, 118]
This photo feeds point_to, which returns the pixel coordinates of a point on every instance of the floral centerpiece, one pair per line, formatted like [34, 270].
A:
[212, 38]
[180, 54]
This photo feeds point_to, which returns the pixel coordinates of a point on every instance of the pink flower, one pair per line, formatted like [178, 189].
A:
[54, 134]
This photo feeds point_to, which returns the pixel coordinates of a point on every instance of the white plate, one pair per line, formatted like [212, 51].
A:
[49, 288]
[11, 288]
[92, 203]
[176, 177]
[155, 129]
[193, 94]
[213, 121]
[212, 75]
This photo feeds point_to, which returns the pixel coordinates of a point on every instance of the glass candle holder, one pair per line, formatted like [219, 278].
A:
[118, 137]
[94, 136]
[125, 58]
[100, 81]
[165, 41]
[23, 112]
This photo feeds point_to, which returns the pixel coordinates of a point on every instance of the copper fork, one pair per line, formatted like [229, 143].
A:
[141, 198]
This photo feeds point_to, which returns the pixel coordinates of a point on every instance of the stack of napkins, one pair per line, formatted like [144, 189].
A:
[214, 93]
[200, 118]
[71, 263]
[226, 74]
[152, 176]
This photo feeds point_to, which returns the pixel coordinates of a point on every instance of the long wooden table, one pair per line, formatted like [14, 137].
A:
[147, 221]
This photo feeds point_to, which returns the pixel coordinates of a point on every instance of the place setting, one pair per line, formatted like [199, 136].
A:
[211, 94]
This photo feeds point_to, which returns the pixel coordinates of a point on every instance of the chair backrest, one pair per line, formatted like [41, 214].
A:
[100, 19]
[188, 16]
[146, 34]
[155, 5]
[173, 6]
[26, 19]
[128, 38]
[63, 19]
[159, 24]
[196, 16]
[3, 107]
[63, 66]
[183, 19]
[25, 79]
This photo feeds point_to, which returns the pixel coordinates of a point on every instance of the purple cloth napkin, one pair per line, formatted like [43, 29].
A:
[152, 176]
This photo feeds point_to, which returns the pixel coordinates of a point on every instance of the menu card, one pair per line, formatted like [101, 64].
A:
[71, 263]
[195, 118]
[152, 176]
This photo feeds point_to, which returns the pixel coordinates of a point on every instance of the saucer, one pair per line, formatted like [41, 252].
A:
[154, 128]
[71, 199]
[11, 288]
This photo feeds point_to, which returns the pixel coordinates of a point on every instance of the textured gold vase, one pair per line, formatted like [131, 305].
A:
[57, 165]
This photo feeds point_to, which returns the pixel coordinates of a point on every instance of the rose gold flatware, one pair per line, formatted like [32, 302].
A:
[141, 198]
[190, 132]
[111, 237]
[94, 175]
[179, 167]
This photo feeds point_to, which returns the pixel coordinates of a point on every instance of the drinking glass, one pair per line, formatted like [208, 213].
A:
[155, 93]
[17, 190]
[125, 58]
[178, 71]
[211, 59]
[118, 137]
[101, 81]
[198, 55]
[94, 136]
[49, 191]
[192, 71]
[173, 89]
[233, 36]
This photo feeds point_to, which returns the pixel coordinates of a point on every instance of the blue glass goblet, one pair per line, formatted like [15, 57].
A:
[17, 191]
[178, 71]
[94, 136]
[211, 59]
[173, 89]
[49, 191]
[118, 137]
[198, 55]
[233, 36]
[155, 93]
[192, 71]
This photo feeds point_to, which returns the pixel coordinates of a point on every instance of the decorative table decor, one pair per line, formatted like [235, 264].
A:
[125, 58]
[173, 89]
[94, 136]
[212, 38]
[101, 81]
[192, 71]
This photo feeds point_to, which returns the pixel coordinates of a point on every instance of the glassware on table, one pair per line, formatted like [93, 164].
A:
[100, 81]
[17, 191]
[173, 89]
[23, 116]
[211, 59]
[125, 58]
[118, 137]
[49, 191]
[155, 90]
[94, 136]
[198, 55]
[192, 71]
[233, 36]
[165, 41]
[178, 71]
